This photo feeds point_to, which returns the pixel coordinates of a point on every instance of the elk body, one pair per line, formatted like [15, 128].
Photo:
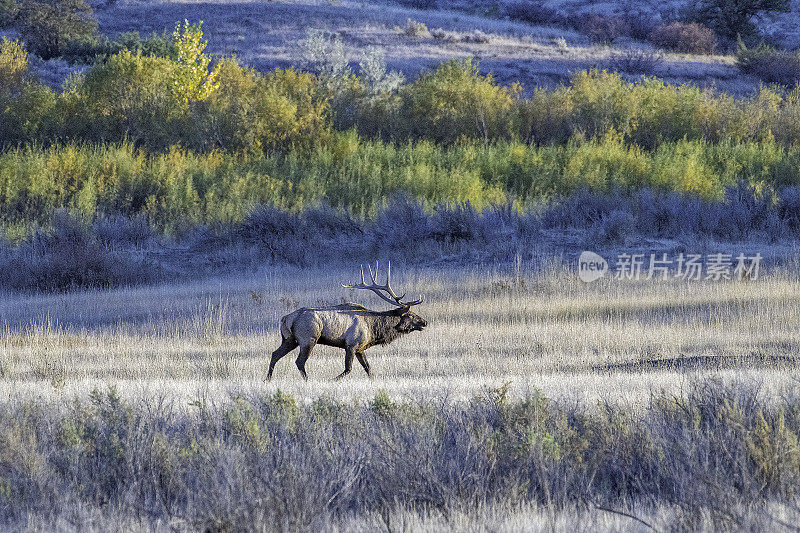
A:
[350, 326]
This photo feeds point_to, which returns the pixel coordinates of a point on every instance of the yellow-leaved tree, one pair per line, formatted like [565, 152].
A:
[13, 66]
[196, 80]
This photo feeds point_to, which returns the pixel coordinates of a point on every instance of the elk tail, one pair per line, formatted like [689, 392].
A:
[286, 326]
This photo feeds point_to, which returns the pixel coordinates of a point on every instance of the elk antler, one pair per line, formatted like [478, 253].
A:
[380, 289]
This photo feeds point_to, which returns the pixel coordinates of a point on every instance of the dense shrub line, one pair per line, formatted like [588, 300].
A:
[115, 250]
[455, 103]
[770, 65]
[166, 91]
[180, 189]
[268, 462]
[163, 93]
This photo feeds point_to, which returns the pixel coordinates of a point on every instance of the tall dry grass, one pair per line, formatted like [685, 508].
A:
[547, 330]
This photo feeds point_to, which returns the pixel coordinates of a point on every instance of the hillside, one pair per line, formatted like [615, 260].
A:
[266, 35]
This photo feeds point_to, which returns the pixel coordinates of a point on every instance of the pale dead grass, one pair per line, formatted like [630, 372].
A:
[530, 519]
[548, 331]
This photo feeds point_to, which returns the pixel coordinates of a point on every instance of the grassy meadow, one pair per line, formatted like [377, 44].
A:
[616, 340]
[533, 401]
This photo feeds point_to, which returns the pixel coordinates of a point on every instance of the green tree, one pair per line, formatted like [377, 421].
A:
[730, 18]
[47, 25]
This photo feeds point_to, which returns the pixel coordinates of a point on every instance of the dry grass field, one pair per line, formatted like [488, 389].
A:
[532, 402]
[611, 339]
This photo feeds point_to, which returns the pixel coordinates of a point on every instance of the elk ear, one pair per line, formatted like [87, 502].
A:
[402, 310]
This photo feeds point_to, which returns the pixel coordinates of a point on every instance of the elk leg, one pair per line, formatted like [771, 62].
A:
[286, 346]
[362, 358]
[305, 353]
[348, 362]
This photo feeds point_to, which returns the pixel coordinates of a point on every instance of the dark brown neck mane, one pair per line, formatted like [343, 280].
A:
[384, 327]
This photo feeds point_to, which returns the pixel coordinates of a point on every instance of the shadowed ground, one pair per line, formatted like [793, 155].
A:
[696, 363]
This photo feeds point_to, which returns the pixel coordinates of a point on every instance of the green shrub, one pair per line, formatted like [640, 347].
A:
[144, 97]
[89, 48]
[160, 45]
[131, 95]
[13, 67]
[84, 49]
[768, 64]
[382, 404]
[230, 113]
[296, 109]
[600, 101]
[281, 110]
[25, 105]
[456, 102]
[29, 117]
[47, 25]
[647, 112]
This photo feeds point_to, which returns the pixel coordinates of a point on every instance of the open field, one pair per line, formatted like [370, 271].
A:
[613, 339]
[532, 402]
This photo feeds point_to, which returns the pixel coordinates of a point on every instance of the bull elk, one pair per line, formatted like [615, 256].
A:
[350, 326]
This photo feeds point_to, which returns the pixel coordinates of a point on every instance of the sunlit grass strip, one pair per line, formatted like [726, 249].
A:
[183, 188]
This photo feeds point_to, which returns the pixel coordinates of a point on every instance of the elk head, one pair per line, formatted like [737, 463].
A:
[409, 321]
